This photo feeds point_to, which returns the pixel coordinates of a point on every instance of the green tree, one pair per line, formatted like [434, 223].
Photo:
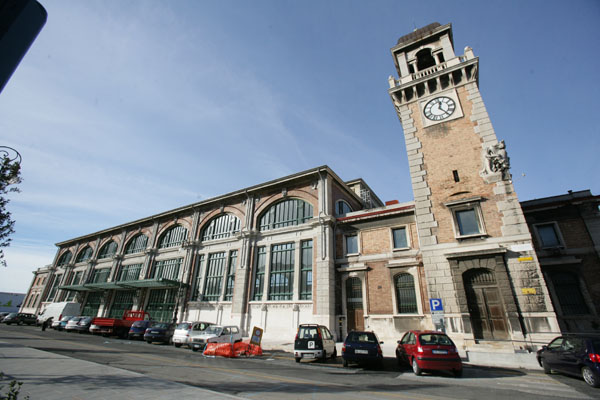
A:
[10, 177]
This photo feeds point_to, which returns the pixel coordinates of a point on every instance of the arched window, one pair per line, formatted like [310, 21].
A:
[406, 297]
[221, 227]
[108, 250]
[568, 292]
[341, 207]
[84, 254]
[425, 59]
[286, 213]
[65, 258]
[173, 237]
[137, 244]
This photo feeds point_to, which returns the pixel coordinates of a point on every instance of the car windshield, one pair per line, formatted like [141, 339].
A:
[160, 325]
[65, 319]
[12, 314]
[435, 338]
[184, 325]
[75, 319]
[139, 324]
[85, 320]
[365, 337]
[214, 330]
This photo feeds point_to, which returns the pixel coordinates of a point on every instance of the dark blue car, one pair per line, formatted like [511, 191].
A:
[577, 355]
[160, 332]
[362, 348]
[138, 328]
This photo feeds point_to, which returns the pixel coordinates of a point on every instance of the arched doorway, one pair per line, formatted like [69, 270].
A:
[485, 304]
[354, 305]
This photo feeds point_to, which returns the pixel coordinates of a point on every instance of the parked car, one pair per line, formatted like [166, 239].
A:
[363, 348]
[138, 328]
[19, 319]
[120, 327]
[215, 334]
[160, 332]
[3, 314]
[577, 355]
[60, 324]
[71, 325]
[429, 350]
[314, 341]
[57, 310]
[84, 324]
[183, 330]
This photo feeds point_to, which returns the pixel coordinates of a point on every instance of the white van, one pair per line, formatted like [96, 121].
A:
[57, 310]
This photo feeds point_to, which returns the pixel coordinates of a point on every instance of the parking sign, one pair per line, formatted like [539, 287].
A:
[436, 305]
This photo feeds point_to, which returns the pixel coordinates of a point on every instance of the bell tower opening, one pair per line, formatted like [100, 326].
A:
[425, 59]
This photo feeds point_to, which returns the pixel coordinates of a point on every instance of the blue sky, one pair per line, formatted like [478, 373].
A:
[124, 109]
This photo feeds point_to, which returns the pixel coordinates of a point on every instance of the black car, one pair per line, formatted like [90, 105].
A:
[363, 348]
[160, 332]
[577, 355]
[20, 319]
[138, 328]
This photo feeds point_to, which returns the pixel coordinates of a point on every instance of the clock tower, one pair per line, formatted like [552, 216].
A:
[476, 248]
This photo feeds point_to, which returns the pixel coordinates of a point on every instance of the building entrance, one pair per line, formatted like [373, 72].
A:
[354, 305]
[485, 305]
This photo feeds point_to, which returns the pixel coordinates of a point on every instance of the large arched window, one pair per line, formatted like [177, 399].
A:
[84, 254]
[286, 213]
[221, 227]
[137, 244]
[65, 258]
[173, 237]
[406, 297]
[108, 250]
[568, 292]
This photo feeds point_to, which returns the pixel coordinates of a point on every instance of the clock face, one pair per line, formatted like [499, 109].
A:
[439, 108]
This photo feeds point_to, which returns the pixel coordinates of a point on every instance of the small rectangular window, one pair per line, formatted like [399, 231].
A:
[548, 235]
[467, 222]
[468, 218]
[352, 244]
[400, 238]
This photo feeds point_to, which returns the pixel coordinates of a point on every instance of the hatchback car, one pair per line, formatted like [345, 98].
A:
[160, 332]
[138, 328]
[215, 334]
[71, 325]
[20, 319]
[60, 324]
[429, 350]
[314, 342]
[577, 355]
[181, 337]
[362, 348]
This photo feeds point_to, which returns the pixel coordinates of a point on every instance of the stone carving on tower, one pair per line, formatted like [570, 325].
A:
[496, 164]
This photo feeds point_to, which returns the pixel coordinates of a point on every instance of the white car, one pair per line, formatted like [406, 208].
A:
[181, 337]
[215, 334]
[72, 324]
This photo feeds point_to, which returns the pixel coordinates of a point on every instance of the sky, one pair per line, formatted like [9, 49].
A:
[123, 109]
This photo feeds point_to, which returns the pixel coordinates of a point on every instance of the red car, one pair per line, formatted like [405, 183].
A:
[428, 350]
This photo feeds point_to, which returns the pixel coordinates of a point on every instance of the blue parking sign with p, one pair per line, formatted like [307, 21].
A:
[436, 305]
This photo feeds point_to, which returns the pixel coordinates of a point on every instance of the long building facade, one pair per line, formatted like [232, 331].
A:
[312, 248]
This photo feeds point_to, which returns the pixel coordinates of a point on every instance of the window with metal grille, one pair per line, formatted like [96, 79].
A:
[173, 237]
[281, 275]
[90, 309]
[221, 227]
[286, 213]
[84, 254]
[161, 303]
[354, 300]
[54, 287]
[65, 258]
[198, 279]
[167, 269]
[123, 301]
[100, 275]
[108, 250]
[130, 272]
[231, 275]
[406, 297]
[399, 238]
[137, 244]
[259, 273]
[306, 270]
[214, 276]
[568, 291]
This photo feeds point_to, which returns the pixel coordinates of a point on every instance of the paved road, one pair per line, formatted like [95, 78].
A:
[63, 365]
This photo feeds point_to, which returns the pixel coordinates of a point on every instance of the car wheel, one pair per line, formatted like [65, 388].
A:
[345, 363]
[297, 359]
[589, 377]
[415, 367]
[194, 349]
[334, 355]
[178, 345]
[149, 341]
[324, 358]
[457, 373]
[543, 364]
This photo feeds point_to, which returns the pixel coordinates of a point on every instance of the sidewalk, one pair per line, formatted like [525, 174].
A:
[51, 376]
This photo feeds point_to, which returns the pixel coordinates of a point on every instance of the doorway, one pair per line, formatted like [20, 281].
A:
[485, 305]
[354, 305]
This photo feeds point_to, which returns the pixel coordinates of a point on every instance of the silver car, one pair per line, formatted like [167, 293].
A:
[71, 325]
[184, 330]
[215, 334]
